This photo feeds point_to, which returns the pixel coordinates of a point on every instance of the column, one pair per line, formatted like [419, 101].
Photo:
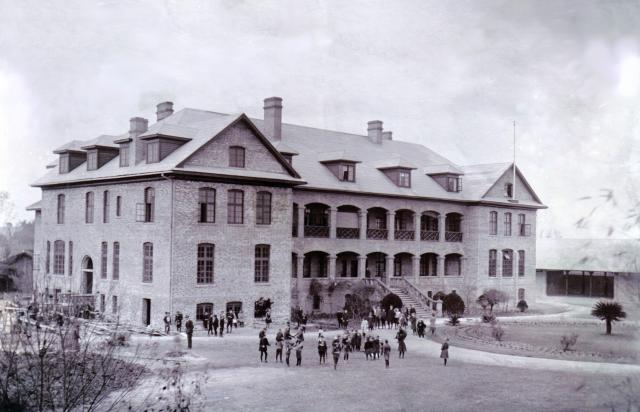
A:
[440, 266]
[391, 225]
[362, 266]
[416, 226]
[300, 265]
[332, 267]
[301, 210]
[389, 267]
[441, 222]
[416, 268]
[333, 216]
[463, 266]
[362, 224]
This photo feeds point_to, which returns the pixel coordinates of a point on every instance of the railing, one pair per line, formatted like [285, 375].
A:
[430, 235]
[404, 234]
[316, 231]
[453, 236]
[377, 234]
[424, 300]
[348, 233]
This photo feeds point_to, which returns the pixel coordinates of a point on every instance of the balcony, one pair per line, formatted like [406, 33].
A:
[316, 231]
[453, 236]
[377, 234]
[430, 235]
[347, 233]
[404, 234]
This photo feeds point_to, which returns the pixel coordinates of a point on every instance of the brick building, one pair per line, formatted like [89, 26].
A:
[207, 211]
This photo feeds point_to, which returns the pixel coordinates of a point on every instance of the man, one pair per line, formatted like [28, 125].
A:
[189, 328]
[210, 325]
[421, 326]
[299, 353]
[167, 322]
[322, 350]
[221, 324]
[229, 321]
[279, 346]
[402, 347]
[216, 322]
[335, 351]
[179, 321]
[264, 343]
[288, 347]
[387, 353]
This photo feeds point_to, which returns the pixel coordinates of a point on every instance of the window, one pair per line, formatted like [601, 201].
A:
[124, 154]
[347, 173]
[47, 259]
[236, 156]
[288, 158]
[508, 189]
[207, 203]
[452, 265]
[507, 224]
[88, 208]
[70, 258]
[523, 228]
[103, 303]
[103, 261]
[454, 184]
[521, 294]
[153, 152]
[105, 206]
[64, 163]
[58, 257]
[60, 209]
[262, 263]
[493, 223]
[235, 207]
[205, 263]
[149, 204]
[507, 263]
[404, 178]
[521, 263]
[263, 208]
[493, 256]
[294, 265]
[147, 262]
[429, 265]
[316, 302]
[118, 206]
[114, 304]
[203, 309]
[115, 274]
[92, 160]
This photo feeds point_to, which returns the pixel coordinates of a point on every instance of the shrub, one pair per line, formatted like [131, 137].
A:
[454, 320]
[488, 318]
[609, 312]
[497, 332]
[568, 341]
[492, 297]
[522, 305]
[453, 304]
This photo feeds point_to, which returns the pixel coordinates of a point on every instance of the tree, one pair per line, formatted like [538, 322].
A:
[609, 312]
[453, 304]
[492, 297]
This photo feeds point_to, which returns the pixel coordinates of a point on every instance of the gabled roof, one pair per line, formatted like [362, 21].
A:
[337, 156]
[485, 176]
[601, 255]
[446, 168]
[394, 163]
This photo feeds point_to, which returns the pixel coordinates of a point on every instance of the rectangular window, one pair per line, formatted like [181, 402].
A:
[507, 224]
[103, 261]
[88, 208]
[114, 304]
[236, 156]
[294, 265]
[103, 303]
[64, 163]
[492, 262]
[522, 223]
[115, 274]
[235, 207]
[347, 173]
[262, 263]
[263, 208]
[454, 184]
[149, 204]
[124, 154]
[153, 152]
[92, 160]
[521, 263]
[147, 262]
[507, 263]
[47, 259]
[205, 263]
[105, 206]
[70, 258]
[58, 257]
[493, 223]
[61, 209]
[118, 206]
[404, 178]
[207, 205]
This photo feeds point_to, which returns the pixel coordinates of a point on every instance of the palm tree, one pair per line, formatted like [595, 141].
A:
[609, 312]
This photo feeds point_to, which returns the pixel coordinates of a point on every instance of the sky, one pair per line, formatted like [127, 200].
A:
[450, 75]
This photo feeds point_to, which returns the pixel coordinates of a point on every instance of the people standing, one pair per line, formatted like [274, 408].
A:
[402, 347]
[216, 322]
[167, 322]
[322, 350]
[179, 321]
[386, 348]
[189, 329]
[264, 343]
[335, 350]
[444, 351]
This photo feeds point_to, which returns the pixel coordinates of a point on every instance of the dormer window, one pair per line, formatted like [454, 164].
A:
[64, 163]
[341, 164]
[404, 178]
[288, 158]
[508, 189]
[92, 160]
[124, 154]
[454, 184]
[236, 156]
[347, 172]
[153, 152]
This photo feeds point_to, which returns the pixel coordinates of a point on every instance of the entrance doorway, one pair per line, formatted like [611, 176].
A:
[146, 311]
[236, 307]
[87, 275]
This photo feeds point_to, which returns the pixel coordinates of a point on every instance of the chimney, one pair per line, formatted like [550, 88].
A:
[387, 136]
[375, 131]
[273, 118]
[137, 126]
[164, 109]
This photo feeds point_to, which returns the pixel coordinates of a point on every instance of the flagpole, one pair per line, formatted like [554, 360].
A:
[513, 193]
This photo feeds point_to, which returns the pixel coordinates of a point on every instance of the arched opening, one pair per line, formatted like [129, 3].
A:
[402, 264]
[347, 265]
[403, 225]
[429, 264]
[452, 265]
[316, 220]
[348, 222]
[391, 301]
[87, 275]
[315, 264]
[453, 227]
[376, 265]
[429, 226]
[377, 223]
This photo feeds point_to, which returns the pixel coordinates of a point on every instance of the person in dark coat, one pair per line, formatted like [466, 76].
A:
[287, 349]
[210, 325]
[230, 321]
[262, 347]
[167, 322]
[221, 324]
[205, 321]
[322, 350]
[402, 347]
[346, 347]
[335, 350]
[189, 329]
[299, 348]
[267, 320]
[216, 323]
[386, 349]
[444, 351]
[279, 346]
[178, 321]
[421, 326]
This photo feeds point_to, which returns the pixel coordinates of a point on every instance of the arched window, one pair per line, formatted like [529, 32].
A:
[205, 263]
[203, 309]
[147, 262]
[61, 209]
[507, 224]
[262, 263]
[149, 204]
[236, 156]
[521, 263]
[103, 260]
[115, 275]
[88, 209]
[429, 264]
[70, 258]
[452, 265]
[507, 263]
[58, 257]
[493, 256]
[105, 206]
[207, 204]
[493, 223]
[263, 208]
[235, 207]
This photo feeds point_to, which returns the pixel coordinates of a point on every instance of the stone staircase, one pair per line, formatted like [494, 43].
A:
[422, 312]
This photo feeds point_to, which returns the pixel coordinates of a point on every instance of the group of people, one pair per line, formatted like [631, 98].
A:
[286, 342]
[380, 318]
